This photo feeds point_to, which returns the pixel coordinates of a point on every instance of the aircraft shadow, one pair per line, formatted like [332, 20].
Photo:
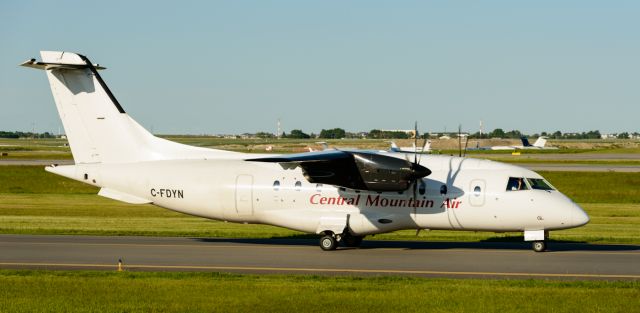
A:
[492, 244]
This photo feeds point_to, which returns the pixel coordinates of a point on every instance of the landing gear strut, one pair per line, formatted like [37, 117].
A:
[539, 246]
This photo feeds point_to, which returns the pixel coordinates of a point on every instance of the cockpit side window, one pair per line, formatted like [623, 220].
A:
[539, 183]
[516, 183]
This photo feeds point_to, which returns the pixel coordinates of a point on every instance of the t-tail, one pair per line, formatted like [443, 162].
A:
[96, 125]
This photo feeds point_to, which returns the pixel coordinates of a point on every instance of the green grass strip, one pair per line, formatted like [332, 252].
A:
[90, 291]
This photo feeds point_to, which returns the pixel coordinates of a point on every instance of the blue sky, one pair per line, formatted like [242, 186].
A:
[238, 66]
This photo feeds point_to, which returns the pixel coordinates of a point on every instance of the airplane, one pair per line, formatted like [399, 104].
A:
[341, 195]
[538, 145]
[413, 149]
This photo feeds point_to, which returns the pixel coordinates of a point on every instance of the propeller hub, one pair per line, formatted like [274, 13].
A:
[418, 171]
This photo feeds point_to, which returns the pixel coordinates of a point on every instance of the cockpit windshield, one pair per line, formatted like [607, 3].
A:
[516, 183]
[539, 183]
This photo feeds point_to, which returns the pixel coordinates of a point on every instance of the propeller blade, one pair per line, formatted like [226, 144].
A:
[415, 197]
[459, 141]
[415, 143]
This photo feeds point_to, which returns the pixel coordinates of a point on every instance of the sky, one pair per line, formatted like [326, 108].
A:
[212, 67]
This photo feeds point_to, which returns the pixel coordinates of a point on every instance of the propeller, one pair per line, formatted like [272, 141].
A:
[459, 140]
[466, 143]
[416, 162]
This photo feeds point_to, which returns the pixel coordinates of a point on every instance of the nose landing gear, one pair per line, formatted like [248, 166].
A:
[539, 246]
[538, 238]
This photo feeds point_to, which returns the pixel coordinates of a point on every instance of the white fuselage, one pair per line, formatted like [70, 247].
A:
[255, 192]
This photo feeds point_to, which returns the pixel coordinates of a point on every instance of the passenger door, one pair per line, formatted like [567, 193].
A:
[244, 195]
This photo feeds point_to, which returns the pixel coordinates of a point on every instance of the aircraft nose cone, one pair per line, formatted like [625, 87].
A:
[579, 217]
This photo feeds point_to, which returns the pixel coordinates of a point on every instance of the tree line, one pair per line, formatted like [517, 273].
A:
[338, 133]
[19, 134]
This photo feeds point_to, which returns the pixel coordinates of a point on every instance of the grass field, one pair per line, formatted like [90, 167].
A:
[33, 201]
[62, 291]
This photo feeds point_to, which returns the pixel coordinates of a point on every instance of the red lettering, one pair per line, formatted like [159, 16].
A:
[373, 201]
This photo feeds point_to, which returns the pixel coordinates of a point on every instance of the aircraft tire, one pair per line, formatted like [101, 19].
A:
[328, 243]
[539, 246]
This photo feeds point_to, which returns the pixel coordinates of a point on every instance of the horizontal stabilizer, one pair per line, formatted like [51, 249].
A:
[121, 196]
[59, 60]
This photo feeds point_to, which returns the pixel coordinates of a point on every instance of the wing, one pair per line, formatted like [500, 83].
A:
[363, 170]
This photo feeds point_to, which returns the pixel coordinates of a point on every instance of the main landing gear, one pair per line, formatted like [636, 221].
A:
[330, 241]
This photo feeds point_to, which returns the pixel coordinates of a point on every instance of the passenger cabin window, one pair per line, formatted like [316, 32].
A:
[276, 185]
[540, 184]
[443, 189]
[516, 183]
[298, 185]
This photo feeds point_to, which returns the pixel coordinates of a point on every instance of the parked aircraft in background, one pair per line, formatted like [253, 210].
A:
[413, 149]
[538, 145]
[342, 195]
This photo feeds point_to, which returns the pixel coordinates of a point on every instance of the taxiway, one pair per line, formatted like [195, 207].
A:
[302, 256]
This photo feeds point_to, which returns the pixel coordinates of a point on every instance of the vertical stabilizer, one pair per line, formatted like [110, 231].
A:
[96, 125]
[540, 142]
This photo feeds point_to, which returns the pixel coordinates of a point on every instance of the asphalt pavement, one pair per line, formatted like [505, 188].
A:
[573, 261]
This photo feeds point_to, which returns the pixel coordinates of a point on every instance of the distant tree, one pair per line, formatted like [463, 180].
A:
[498, 133]
[385, 134]
[375, 134]
[264, 135]
[594, 134]
[557, 134]
[513, 134]
[5, 134]
[335, 133]
[19, 134]
[624, 135]
[298, 134]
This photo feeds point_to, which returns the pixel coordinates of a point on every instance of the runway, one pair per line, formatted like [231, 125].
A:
[303, 256]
